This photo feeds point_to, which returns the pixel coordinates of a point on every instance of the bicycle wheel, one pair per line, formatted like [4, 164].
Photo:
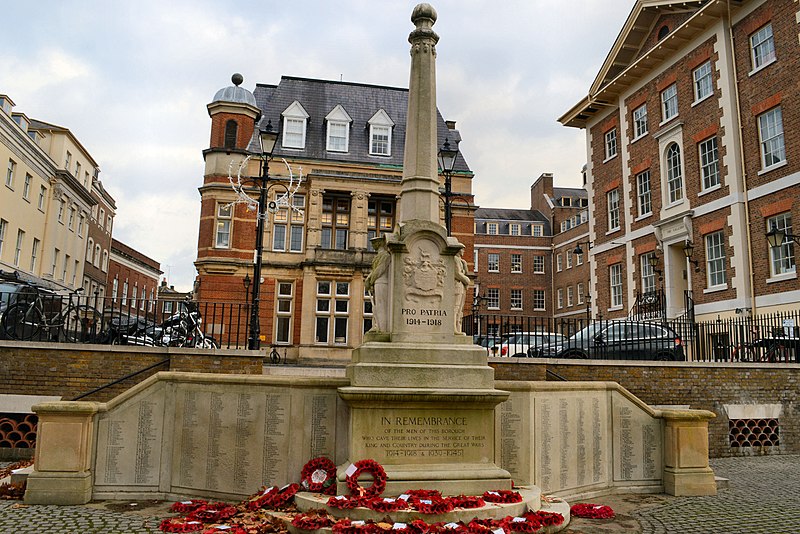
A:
[274, 356]
[22, 321]
[81, 324]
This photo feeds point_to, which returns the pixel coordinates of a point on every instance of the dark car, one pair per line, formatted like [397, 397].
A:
[620, 340]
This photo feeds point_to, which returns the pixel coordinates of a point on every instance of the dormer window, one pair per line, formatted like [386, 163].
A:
[295, 119]
[338, 130]
[380, 134]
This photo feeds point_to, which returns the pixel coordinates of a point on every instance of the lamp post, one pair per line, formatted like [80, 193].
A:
[447, 162]
[268, 139]
[688, 250]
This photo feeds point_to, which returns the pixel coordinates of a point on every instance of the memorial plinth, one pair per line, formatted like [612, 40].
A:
[422, 397]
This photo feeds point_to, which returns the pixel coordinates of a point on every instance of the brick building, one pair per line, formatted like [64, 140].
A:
[133, 278]
[347, 139]
[98, 246]
[692, 151]
[524, 261]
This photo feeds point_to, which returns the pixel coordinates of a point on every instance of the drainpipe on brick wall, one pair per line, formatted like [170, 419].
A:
[753, 308]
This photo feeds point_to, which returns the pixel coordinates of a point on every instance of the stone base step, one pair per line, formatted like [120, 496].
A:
[722, 483]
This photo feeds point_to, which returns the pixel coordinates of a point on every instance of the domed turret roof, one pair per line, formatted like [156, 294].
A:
[235, 94]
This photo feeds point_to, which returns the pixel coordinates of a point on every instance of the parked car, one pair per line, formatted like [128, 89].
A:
[620, 340]
[523, 344]
[490, 343]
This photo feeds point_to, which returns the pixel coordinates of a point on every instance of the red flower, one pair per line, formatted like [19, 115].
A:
[502, 496]
[213, 512]
[432, 505]
[219, 529]
[547, 519]
[386, 505]
[345, 526]
[184, 507]
[366, 466]
[343, 502]
[465, 501]
[319, 475]
[591, 511]
[311, 521]
[176, 524]
[483, 526]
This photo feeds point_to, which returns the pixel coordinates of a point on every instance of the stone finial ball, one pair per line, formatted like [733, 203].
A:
[237, 79]
[423, 11]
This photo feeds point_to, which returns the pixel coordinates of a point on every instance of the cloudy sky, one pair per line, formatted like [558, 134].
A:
[132, 80]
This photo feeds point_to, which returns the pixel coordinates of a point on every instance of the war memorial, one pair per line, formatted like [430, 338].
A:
[418, 399]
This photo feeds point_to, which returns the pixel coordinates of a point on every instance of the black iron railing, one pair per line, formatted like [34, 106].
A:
[36, 314]
[769, 338]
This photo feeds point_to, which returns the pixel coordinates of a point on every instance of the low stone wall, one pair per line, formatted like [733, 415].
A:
[66, 371]
[754, 394]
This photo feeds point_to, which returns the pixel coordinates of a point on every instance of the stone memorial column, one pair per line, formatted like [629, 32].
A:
[422, 396]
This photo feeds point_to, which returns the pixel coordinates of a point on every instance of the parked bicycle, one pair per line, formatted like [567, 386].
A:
[759, 349]
[46, 318]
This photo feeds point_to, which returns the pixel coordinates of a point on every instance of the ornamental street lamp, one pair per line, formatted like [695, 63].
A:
[447, 162]
[778, 237]
[578, 250]
[688, 251]
[268, 139]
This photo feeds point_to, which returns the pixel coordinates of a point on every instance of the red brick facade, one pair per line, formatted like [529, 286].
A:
[731, 109]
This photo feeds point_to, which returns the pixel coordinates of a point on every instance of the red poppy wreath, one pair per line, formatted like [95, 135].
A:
[366, 466]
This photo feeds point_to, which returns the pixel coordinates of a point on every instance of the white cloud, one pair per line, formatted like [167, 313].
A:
[132, 81]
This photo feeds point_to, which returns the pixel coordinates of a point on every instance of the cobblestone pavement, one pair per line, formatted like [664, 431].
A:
[763, 497]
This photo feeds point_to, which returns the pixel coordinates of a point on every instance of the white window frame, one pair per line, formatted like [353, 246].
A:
[674, 161]
[538, 264]
[669, 103]
[295, 122]
[580, 293]
[612, 202]
[42, 196]
[762, 48]
[537, 293]
[493, 262]
[514, 229]
[537, 230]
[11, 173]
[771, 140]
[338, 130]
[379, 122]
[224, 217]
[703, 82]
[648, 273]
[18, 249]
[644, 196]
[709, 163]
[639, 122]
[284, 311]
[34, 254]
[516, 263]
[26, 186]
[3, 227]
[559, 263]
[715, 260]
[560, 298]
[570, 296]
[615, 285]
[493, 298]
[568, 255]
[781, 258]
[491, 228]
[610, 145]
[516, 299]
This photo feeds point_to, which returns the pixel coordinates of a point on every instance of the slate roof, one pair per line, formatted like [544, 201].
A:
[360, 101]
[570, 192]
[505, 216]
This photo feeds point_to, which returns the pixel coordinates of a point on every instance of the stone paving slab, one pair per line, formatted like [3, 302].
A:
[763, 496]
